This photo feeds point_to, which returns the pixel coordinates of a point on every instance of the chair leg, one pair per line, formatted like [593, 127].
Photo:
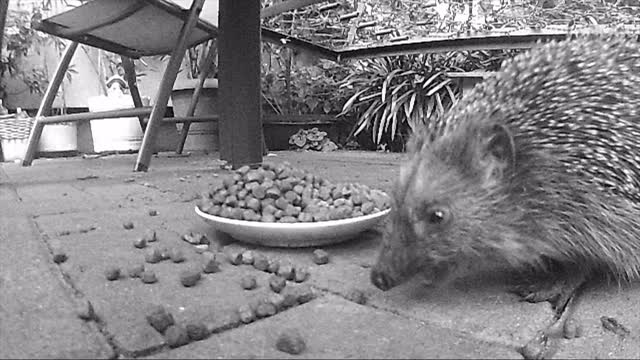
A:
[130, 77]
[169, 77]
[205, 69]
[47, 102]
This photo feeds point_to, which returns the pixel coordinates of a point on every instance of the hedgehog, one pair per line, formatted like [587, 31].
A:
[536, 169]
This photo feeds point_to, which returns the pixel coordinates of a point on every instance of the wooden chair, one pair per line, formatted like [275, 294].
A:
[131, 29]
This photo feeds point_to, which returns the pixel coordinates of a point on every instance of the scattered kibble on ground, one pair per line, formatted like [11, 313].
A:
[136, 271]
[128, 225]
[140, 243]
[320, 257]
[265, 309]
[160, 319]
[177, 256]
[153, 256]
[235, 258]
[149, 277]
[211, 264]
[176, 335]
[274, 266]
[196, 331]
[112, 273]
[248, 282]
[59, 256]
[150, 235]
[247, 257]
[190, 277]
[246, 313]
[153, 212]
[291, 341]
[572, 329]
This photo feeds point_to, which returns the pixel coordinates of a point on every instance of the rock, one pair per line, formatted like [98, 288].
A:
[149, 277]
[159, 318]
[190, 277]
[291, 341]
[320, 257]
[176, 335]
[112, 273]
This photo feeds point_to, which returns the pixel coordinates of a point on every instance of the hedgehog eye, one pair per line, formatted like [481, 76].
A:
[438, 215]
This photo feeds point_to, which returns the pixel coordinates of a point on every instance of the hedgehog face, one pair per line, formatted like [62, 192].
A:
[443, 209]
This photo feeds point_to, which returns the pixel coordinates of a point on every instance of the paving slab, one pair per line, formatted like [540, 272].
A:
[334, 328]
[37, 318]
[609, 300]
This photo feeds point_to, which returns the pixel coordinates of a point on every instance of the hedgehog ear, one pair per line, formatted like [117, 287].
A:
[501, 147]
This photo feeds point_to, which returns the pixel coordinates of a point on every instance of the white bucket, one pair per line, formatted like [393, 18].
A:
[118, 134]
[59, 137]
[14, 149]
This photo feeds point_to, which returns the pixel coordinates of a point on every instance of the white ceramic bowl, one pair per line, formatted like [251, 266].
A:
[294, 234]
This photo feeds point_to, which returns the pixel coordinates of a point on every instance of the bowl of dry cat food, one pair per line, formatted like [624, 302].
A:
[279, 205]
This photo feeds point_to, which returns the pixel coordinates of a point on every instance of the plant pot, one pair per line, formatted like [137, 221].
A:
[279, 128]
[203, 136]
[59, 138]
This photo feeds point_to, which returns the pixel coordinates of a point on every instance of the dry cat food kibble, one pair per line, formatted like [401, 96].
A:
[571, 329]
[153, 212]
[153, 256]
[149, 277]
[235, 257]
[281, 193]
[176, 335]
[301, 274]
[248, 282]
[85, 311]
[196, 331]
[291, 341]
[159, 318]
[277, 283]
[265, 309]
[247, 257]
[112, 273]
[59, 256]
[128, 225]
[140, 243]
[150, 235]
[136, 271]
[320, 257]
[211, 264]
[260, 262]
[190, 277]
[357, 296]
[286, 271]
[277, 300]
[274, 266]
[176, 255]
[246, 313]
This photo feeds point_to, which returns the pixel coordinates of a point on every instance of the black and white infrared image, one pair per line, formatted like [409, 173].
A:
[320, 179]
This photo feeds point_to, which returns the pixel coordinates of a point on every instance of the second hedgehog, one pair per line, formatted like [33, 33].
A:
[538, 165]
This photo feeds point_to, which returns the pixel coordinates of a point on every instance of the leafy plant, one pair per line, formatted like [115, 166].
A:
[19, 39]
[312, 139]
[394, 95]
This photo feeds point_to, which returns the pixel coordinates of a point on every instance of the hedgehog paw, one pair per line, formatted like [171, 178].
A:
[557, 291]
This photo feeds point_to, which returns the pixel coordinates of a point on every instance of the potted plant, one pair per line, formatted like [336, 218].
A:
[203, 136]
[298, 97]
[20, 42]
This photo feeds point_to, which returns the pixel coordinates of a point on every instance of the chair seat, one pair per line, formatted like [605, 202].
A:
[133, 28]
